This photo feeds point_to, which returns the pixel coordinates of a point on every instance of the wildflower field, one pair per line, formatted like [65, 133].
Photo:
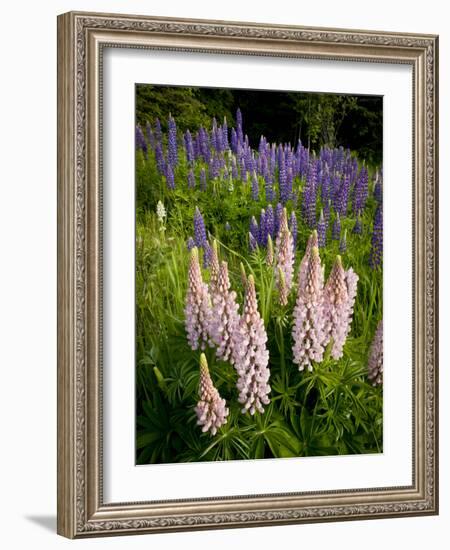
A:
[259, 296]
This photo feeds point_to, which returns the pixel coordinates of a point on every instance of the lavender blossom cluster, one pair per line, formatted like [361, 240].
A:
[251, 356]
[323, 311]
[211, 409]
[375, 365]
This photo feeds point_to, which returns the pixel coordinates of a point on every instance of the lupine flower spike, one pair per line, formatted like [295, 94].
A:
[225, 317]
[336, 231]
[376, 357]
[211, 409]
[214, 268]
[283, 293]
[284, 255]
[335, 309]
[198, 306]
[269, 254]
[251, 356]
[161, 212]
[322, 230]
[308, 315]
[339, 299]
[343, 243]
[313, 241]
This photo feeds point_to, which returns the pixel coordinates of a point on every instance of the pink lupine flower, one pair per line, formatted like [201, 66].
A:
[251, 356]
[313, 241]
[198, 305]
[284, 255]
[214, 267]
[211, 409]
[308, 315]
[339, 299]
[225, 317]
[335, 309]
[376, 357]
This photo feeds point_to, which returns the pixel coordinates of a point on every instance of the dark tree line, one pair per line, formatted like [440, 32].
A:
[314, 118]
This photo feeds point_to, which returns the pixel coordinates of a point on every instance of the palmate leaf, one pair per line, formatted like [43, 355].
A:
[159, 437]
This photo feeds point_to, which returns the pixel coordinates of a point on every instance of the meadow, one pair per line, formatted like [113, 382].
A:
[258, 296]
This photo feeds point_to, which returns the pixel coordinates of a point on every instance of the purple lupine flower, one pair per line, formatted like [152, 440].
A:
[199, 229]
[203, 140]
[172, 147]
[227, 226]
[191, 179]
[214, 134]
[158, 131]
[343, 243]
[310, 195]
[376, 253]
[189, 146]
[255, 186]
[322, 230]
[309, 325]
[207, 255]
[225, 317]
[283, 181]
[234, 169]
[343, 195]
[293, 228]
[284, 258]
[170, 179]
[213, 167]
[203, 179]
[198, 306]
[254, 228]
[336, 231]
[140, 142]
[211, 409]
[326, 189]
[268, 186]
[159, 156]
[278, 216]
[361, 191]
[225, 143]
[234, 140]
[262, 233]
[378, 188]
[190, 243]
[375, 365]
[150, 135]
[252, 243]
[270, 221]
[357, 228]
[251, 356]
[239, 127]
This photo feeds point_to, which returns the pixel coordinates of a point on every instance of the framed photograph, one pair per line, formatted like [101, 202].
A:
[247, 282]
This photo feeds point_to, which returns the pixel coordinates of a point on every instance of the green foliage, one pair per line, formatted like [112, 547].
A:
[317, 119]
[331, 410]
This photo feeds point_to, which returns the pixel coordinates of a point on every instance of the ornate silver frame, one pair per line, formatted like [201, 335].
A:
[81, 37]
